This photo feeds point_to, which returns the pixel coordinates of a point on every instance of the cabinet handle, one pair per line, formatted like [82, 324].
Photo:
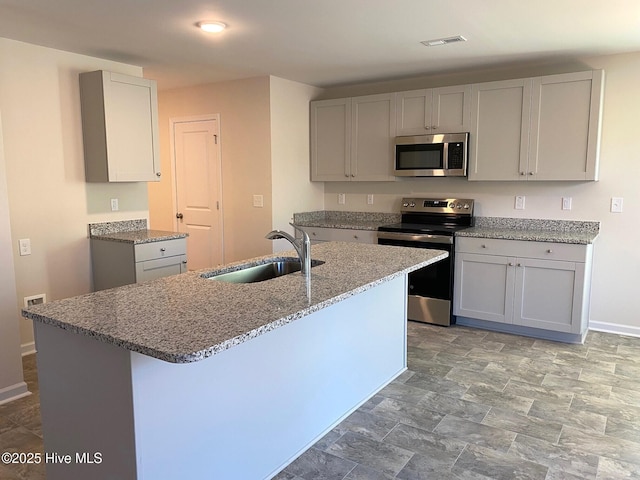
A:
[163, 249]
[353, 174]
[549, 251]
[511, 264]
[531, 173]
[346, 175]
[355, 236]
[313, 234]
[519, 265]
[483, 246]
[158, 174]
[427, 127]
[184, 261]
[522, 173]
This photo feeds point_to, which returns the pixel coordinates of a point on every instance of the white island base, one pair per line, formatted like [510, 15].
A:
[244, 413]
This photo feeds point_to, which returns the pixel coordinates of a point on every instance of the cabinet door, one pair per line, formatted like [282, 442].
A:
[162, 267]
[499, 143]
[548, 294]
[451, 109]
[483, 287]
[119, 127]
[373, 126]
[565, 121]
[413, 112]
[331, 140]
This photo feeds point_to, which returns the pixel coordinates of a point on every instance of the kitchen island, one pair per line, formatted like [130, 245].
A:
[188, 377]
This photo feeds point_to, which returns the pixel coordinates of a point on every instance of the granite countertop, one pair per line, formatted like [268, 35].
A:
[346, 220]
[539, 230]
[186, 318]
[130, 231]
[140, 236]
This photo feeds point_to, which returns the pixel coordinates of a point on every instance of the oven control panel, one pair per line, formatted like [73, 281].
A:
[438, 205]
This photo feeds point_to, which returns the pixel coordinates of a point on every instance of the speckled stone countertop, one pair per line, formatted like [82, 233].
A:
[539, 230]
[130, 231]
[186, 318]
[351, 220]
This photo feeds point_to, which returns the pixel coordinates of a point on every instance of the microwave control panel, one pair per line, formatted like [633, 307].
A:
[456, 155]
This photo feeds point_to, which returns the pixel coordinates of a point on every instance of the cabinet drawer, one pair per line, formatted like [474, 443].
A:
[319, 234]
[359, 236]
[519, 248]
[164, 248]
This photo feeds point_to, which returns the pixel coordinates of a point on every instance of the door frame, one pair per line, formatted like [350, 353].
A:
[174, 190]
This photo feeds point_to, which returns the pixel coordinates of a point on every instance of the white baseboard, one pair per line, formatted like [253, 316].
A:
[13, 392]
[28, 348]
[615, 328]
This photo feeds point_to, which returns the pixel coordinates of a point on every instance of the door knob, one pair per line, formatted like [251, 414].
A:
[179, 215]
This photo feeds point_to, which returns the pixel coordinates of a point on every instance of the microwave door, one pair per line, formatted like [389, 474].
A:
[420, 160]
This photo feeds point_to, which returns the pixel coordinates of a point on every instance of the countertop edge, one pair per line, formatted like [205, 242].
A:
[139, 237]
[576, 238]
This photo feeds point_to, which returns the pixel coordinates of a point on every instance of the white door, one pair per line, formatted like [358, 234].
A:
[198, 190]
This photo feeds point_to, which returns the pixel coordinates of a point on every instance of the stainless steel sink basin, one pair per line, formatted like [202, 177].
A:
[262, 272]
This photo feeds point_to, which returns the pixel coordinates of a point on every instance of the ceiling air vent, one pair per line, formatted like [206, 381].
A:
[444, 41]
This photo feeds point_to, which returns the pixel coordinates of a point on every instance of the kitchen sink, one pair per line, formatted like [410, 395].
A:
[262, 272]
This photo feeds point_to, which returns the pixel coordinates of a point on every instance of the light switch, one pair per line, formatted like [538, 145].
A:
[258, 201]
[616, 204]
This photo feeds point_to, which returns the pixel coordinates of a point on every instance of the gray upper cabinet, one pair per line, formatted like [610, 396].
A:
[119, 127]
[542, 128]
[434, 110]
[565, 126]
[352, 138]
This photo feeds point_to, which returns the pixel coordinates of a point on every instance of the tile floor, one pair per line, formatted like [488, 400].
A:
[473, 405]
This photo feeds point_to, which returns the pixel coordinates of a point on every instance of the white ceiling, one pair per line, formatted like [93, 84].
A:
[323, 42]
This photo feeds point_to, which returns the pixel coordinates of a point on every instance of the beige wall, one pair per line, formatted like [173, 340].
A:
[49, 201]
[11, 378]
[264, 138]
[616, 258]
[292, 189]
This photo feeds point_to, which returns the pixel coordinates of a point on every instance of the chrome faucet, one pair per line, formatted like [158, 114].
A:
[302, 245]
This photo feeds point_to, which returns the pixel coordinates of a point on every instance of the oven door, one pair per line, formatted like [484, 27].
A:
[431, 287]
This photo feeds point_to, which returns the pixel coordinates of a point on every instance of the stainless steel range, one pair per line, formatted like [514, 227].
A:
[430, 223]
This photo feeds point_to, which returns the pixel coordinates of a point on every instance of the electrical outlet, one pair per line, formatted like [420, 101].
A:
[258, 201]
[566, 203]
[25, 246]
[35, 300]
[519, 202]
[616, 204]
[114, 205]
[370, 199]
[341, 199]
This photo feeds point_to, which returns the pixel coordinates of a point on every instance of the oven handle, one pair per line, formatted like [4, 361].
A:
[416, 237]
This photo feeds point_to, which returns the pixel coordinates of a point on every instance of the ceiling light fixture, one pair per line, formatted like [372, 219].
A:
[211, 27]
[443, 41]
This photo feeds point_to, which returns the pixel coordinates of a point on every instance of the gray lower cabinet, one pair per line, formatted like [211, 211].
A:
[118, 263]
[528, 284]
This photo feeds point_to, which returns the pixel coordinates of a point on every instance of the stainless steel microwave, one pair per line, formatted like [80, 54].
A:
[436, 155]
